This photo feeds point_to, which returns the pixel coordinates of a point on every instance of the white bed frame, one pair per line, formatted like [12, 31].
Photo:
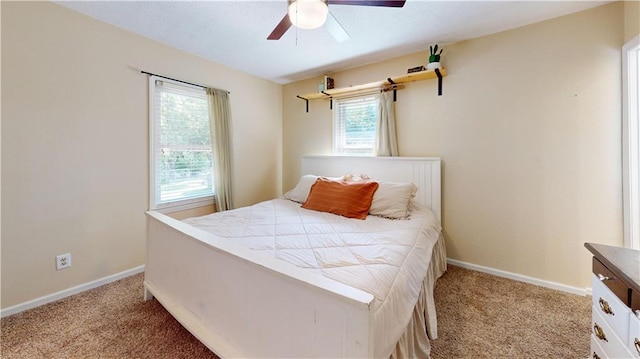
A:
[241, 305]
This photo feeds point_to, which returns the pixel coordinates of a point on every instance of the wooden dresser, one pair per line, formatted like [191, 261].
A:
[615, 320]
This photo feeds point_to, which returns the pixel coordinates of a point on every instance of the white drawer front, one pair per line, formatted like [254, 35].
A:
[611, 344]
[633, 343]
[611, 308]
[596, 350]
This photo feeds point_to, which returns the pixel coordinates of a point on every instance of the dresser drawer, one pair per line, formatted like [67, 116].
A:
[615, 302]
[596, 351]
[633, 344]
[612, 346]
[610, 308]
[612, 282]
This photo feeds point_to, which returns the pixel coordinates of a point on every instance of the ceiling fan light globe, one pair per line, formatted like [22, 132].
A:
[308, 14]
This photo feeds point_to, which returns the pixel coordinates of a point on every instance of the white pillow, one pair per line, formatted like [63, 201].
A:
[393, 200]
[301, 191]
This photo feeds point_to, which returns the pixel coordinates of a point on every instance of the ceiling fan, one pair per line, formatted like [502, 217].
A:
[311, 14]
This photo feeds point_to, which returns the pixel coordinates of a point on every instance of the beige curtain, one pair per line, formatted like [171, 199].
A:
[386, 140]
[220, 117]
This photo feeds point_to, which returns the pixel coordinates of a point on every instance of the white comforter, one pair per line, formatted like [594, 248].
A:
[386, 258]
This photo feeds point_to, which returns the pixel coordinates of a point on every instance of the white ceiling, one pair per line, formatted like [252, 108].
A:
[234, 33]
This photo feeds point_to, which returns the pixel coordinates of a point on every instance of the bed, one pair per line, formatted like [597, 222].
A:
[241, 299]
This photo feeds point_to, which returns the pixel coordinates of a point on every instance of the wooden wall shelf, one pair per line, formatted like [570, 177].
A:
[391, 83]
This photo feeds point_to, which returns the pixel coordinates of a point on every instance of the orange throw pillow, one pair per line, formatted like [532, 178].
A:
[347, 199]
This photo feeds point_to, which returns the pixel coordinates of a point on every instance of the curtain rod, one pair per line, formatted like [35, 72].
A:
[184, 82]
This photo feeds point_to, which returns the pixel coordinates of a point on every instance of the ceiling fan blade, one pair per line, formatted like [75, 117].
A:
[386, 3]
[335, 29]
[280, 29]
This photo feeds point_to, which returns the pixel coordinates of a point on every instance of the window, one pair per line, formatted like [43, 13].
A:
[631, 141]
[180, 146]
[354, 126]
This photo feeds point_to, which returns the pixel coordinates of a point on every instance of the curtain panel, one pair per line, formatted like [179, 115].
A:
[386, 139]
[221, 146]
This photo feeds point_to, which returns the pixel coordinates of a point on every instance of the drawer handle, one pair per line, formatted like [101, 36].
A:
[599, 332]
[605, 307]
[636, 343]
[595, 356]
[602, 277]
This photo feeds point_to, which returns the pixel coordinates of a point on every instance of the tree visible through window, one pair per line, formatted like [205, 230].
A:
[180, 146]
[355, 122]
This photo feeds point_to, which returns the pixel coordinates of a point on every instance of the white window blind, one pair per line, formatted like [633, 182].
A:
[354, 126]
[181, 160]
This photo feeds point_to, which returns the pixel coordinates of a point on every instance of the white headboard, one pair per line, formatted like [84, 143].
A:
[424, 172]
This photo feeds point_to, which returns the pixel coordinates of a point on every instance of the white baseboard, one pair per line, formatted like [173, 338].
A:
[69, 292]
[133, 271]
[521, 278]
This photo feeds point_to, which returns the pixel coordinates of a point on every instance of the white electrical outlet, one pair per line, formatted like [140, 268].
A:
[63, 261]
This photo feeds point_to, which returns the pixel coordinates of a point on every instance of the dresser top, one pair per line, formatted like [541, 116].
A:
[624, 262]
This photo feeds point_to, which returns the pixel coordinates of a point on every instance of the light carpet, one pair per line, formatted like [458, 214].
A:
[479, 316]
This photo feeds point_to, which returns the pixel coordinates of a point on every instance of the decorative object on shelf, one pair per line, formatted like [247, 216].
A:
[434, 58]
[328, 83]
[415, 69]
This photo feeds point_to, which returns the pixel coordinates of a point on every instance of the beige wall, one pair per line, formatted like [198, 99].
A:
[74, 144]
[529, 132]
[528, 129]
[631, 19]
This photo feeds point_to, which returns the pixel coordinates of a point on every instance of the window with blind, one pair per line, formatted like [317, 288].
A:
[180, 146]
[354, 126]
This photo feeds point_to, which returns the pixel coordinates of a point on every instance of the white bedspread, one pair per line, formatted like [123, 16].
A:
[386, 258]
